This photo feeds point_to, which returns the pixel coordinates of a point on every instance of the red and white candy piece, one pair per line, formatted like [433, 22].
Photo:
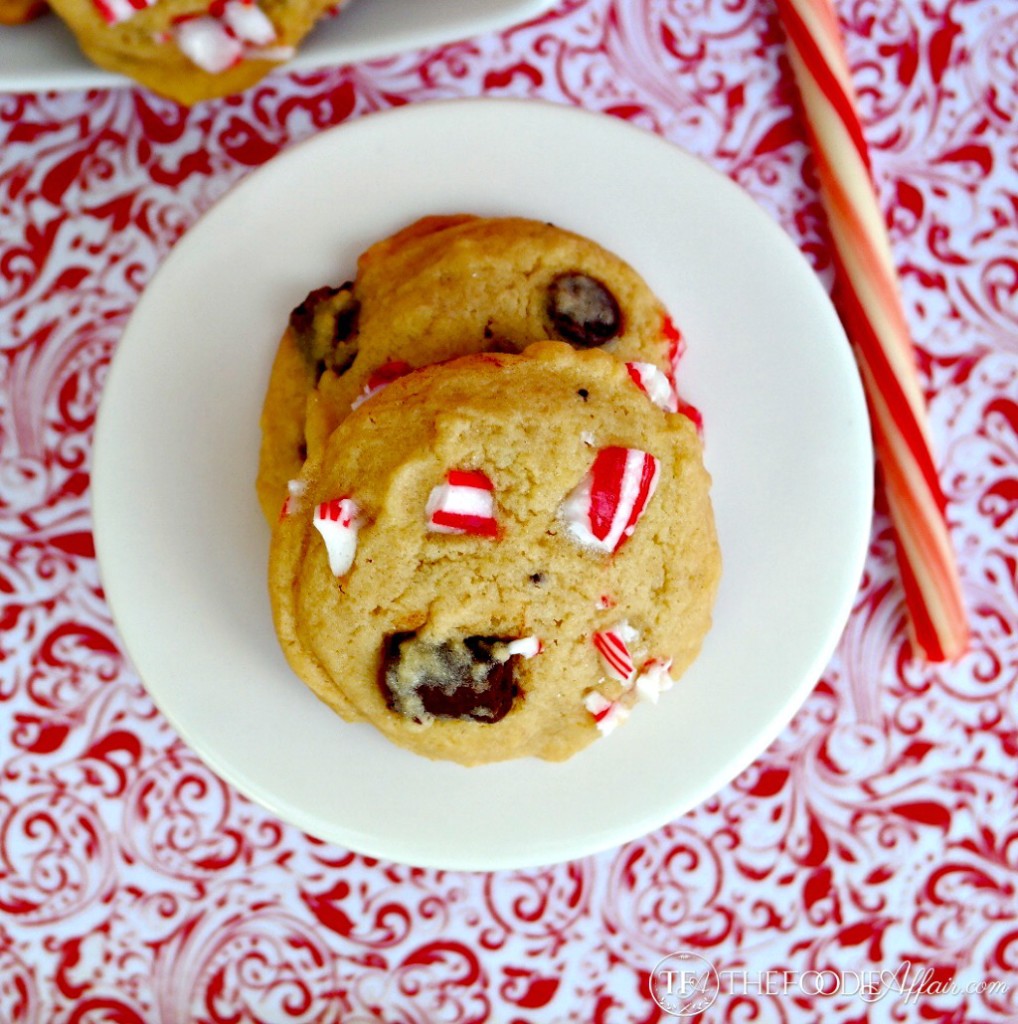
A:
[463, 503]
[229, 33]
[291, 503]
[115, 11]
[338, 521]
[676, 350]
[613, 646]
[247, 21]
[653, 679]
[655, 385]
[381, 379]
[207, 43]
[608, 714]
[676, 344]
[603, 509]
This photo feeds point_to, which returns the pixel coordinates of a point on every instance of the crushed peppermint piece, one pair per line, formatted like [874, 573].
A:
[653, 679]
[291, 503]
[380, 379]
[249, 22]
[605, 601]
[525, 647]
[207, 43]
[613, 646]
[115, 11]
[676, 350]
[603, 509]
[608, 714]
[676, 343]
[338, 521]
[655, 385]
[230, 32]
[463, 503]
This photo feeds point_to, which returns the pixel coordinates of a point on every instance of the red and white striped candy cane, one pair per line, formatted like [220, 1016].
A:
[868, 300]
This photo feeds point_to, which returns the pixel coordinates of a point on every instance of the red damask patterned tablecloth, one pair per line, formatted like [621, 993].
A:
[872, 851]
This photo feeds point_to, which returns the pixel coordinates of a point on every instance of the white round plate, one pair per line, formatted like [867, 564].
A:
[182, 546]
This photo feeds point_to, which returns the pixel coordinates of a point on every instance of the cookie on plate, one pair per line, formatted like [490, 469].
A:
[191, 50]
[498, 556]
[447, 286]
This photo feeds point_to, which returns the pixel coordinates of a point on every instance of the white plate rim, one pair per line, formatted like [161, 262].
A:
[493, 844]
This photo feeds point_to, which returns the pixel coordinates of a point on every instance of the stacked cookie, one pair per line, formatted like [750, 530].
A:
[492, 530]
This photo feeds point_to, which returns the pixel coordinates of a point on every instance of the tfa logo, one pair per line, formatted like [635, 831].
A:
[684, 984]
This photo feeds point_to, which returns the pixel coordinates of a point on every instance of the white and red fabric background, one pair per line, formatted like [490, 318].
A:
[880, 829]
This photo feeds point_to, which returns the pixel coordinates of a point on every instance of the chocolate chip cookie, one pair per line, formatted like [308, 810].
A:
[499, 555]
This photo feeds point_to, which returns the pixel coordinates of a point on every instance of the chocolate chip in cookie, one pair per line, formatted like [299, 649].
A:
[582, 310]
[324, 325]
[465, 678]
